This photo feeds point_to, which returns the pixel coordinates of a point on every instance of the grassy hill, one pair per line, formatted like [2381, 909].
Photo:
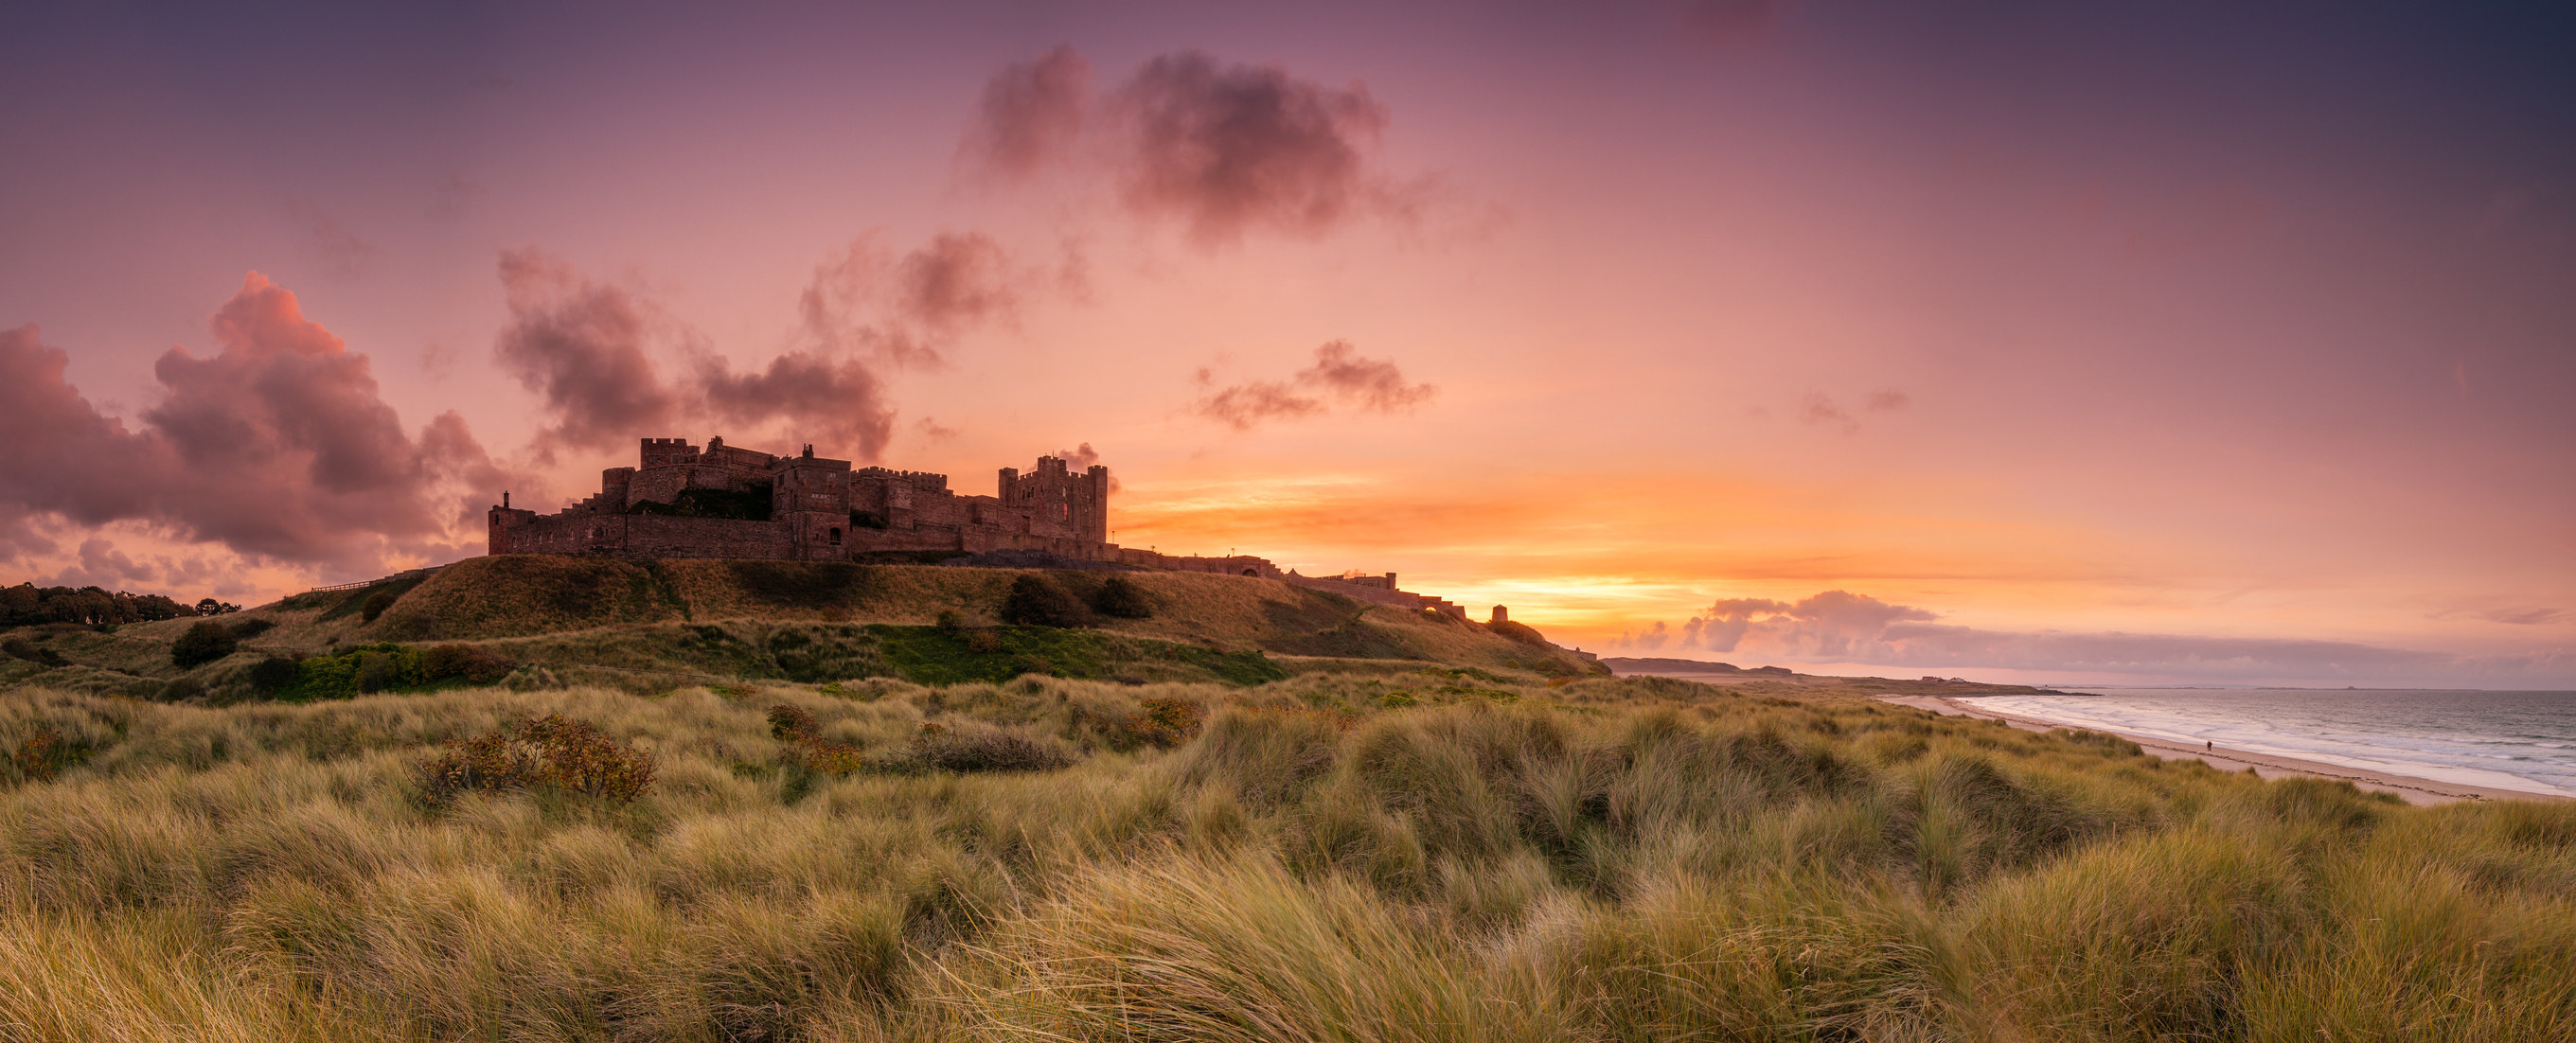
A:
[657, 625]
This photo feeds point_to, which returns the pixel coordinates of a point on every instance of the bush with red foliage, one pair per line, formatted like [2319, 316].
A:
[1166, 722]
[796, 727]
[553, 752]
[40, 753]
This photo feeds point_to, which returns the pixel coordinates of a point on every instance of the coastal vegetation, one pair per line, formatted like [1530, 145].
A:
[587, 799]
[1395, 852]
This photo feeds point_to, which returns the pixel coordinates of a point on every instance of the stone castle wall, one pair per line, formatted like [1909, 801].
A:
[822, 509]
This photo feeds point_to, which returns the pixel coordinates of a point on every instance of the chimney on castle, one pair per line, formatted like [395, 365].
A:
[809, 451]
[505, 499]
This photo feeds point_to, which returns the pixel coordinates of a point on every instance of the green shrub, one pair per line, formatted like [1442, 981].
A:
[21, 648]
[250, 628]
[378, 671]
[1123, 599]
[1038, 601]
[474, 663]
[205, 642]
[272, 675]
[349, 673]
[376, 604]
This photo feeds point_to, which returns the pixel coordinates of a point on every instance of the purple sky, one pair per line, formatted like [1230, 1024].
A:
[2045, 342]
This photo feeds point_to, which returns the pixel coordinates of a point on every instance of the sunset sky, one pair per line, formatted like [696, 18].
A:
[2035, 342]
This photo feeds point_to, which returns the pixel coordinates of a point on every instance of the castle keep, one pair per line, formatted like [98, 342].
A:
[683, 501]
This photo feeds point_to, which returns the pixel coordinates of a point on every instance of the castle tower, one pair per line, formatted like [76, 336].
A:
[1076, 505]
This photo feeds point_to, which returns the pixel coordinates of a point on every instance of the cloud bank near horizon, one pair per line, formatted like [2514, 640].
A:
[1838, 626]
[279, 446]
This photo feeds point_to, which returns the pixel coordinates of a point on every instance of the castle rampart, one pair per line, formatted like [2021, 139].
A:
[682, 501]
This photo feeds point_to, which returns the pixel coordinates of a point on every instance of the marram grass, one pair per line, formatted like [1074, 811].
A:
[1594, 861]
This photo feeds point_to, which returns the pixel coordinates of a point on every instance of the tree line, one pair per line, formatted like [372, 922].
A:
[28, 604]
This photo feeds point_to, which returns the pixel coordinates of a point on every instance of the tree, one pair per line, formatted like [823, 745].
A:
[1038, 601]
[272, 675]
[212, 607]
[1123, 599]
[205, 642]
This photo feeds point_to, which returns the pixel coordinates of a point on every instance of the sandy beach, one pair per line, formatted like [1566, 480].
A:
[2413, 790]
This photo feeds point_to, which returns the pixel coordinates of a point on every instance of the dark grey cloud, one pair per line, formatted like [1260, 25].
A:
[1223, 149]
[1250, 404]
[278, 446]
[580, 346]
[836, 402]
[586, 349]
[956, 281]
[1230, 148]
[906, 311]
[1031, 115]
[1371, 385]
[1340, 375]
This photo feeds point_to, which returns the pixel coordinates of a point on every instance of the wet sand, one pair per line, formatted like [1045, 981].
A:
[2413, 790]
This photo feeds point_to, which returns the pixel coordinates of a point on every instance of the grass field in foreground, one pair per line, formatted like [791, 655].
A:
[1324, 859]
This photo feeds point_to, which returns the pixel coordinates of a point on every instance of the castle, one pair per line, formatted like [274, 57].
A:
[681, 501]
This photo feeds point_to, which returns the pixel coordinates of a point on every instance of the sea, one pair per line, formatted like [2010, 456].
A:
[2523, 741]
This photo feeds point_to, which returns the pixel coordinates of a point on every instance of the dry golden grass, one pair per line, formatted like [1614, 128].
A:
[1391, 857]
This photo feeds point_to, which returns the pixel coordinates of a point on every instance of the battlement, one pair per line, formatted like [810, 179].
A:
[922, 480]
[668, 452]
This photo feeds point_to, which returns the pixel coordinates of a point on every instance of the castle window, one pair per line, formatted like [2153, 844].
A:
[836, 537]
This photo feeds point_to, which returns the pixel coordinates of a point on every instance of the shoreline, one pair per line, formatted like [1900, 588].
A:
[2414, 790]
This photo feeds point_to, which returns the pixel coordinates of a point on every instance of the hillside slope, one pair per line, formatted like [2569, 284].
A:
[816, 621]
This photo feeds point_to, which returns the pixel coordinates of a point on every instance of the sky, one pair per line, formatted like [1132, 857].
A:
[2090, 344]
